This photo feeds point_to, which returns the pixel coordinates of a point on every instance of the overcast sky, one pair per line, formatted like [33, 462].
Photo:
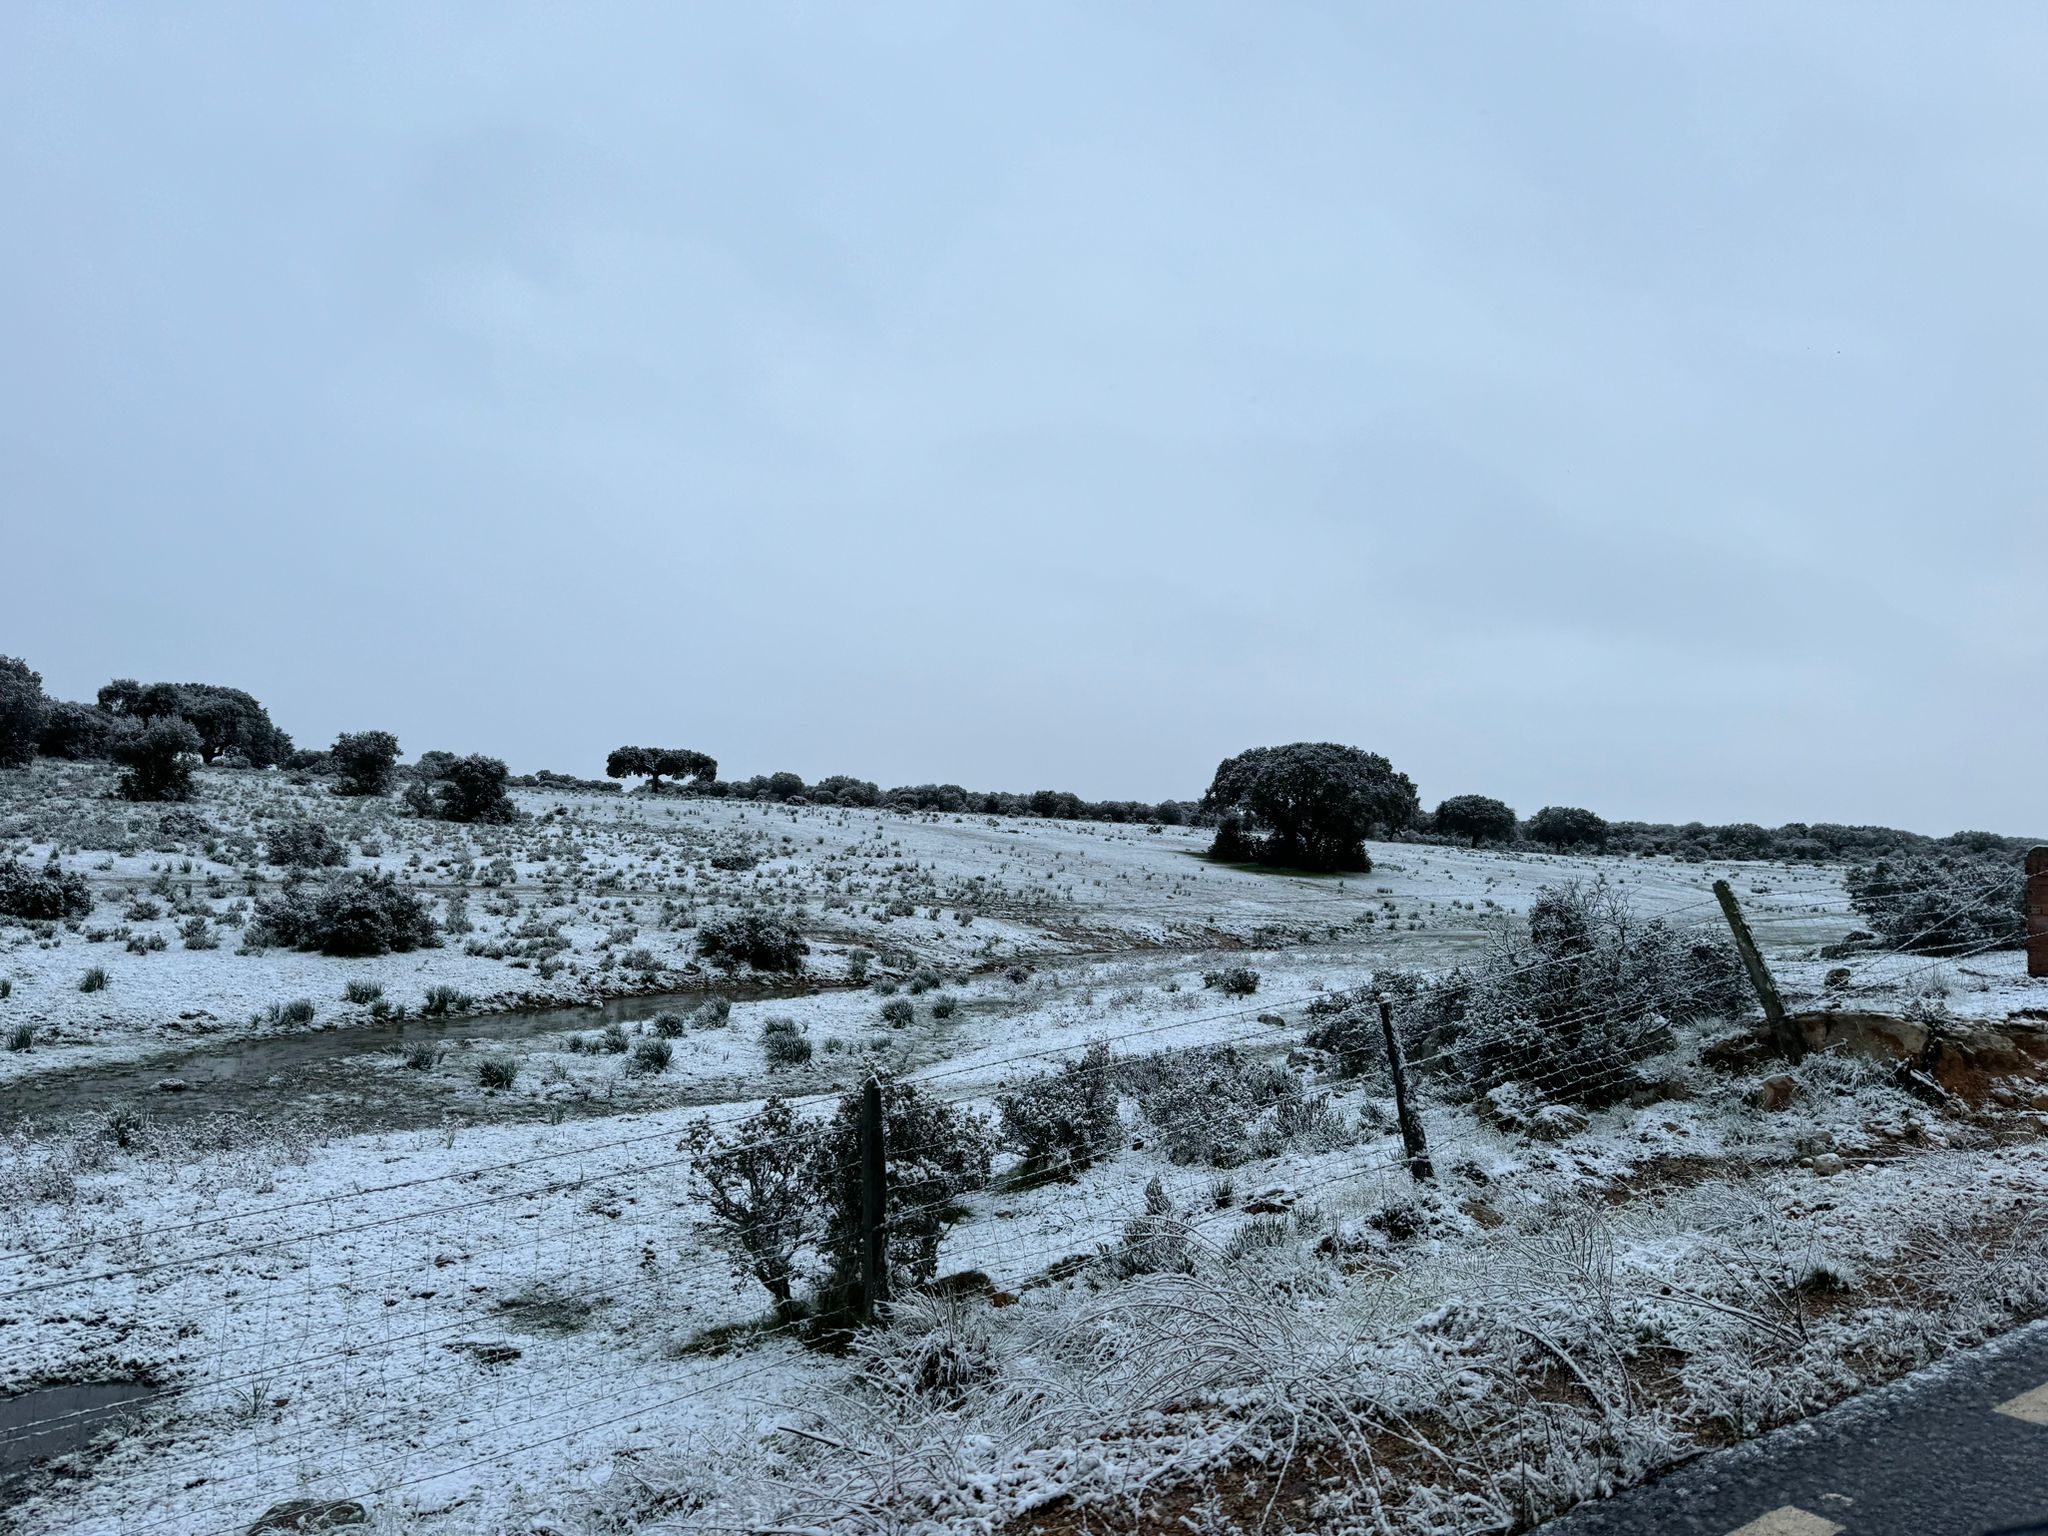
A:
[1643, 407]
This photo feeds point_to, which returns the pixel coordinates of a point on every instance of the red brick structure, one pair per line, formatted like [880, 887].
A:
[2037, 912]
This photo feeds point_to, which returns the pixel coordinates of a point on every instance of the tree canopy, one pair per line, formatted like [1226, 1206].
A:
[1567, 826]
[226, 720]
[365, 761]
[158, 757]
[656, 763]
[1313, 803]
[1479, 817]
[23, 710]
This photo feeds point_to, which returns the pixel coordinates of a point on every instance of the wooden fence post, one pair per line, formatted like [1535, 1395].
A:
[1419, 1166]
[874, 1202]
[1790, 1042]
[2037, 912]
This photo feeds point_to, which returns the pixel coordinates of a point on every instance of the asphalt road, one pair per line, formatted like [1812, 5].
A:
[1960, 1449]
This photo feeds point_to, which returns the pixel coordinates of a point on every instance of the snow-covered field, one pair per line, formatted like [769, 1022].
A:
[343, 1274]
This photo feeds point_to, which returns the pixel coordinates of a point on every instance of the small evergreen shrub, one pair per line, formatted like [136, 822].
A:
[304, 845]
[442, 1000]
[1233, 981]
[497, 1072]
[765, 942]
[785, 1044]
[361, 912]
[45, 895]
[1062, 1121]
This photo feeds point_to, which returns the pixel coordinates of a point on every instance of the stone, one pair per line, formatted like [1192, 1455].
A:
[1882, 1035]
[305, 1515]
[1827, 1164]
[1838, 978]
[1555, 1122]
[1775, 1093]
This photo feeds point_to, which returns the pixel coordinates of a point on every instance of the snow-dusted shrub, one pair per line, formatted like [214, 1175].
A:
[361, 912]
[1586, 995]
[898, 1012]
[1062, 1121]
[159, 759]
[497, 1072]
[45, 895]
[1345, 1025]
[1216, 1106]
[937, 1152]
[304, 845]
[652, 1054]
[464, 789]
[1932, 905]
[364, 762]
[934, 1353]
[784, 1043]
[1233, 981]
[1156, 1241]
[757, 1182]
[760, 939]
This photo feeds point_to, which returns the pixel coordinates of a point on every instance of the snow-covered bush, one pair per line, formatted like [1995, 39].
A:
[159, 759]
[364, 762]
[1218, 1107]
[1587, 994]
[45, 895]
[1233, 980]
[1062, 1121]
[757, 1182]
[784, 1043]
[937, 1152]
[1933, 905]
[358, 913]
[304, 845]
[760, 939]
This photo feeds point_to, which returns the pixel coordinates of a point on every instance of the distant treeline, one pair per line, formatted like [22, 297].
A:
[1308, 803]
[1799, 841]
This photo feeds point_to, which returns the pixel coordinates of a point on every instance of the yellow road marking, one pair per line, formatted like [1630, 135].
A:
[2030, 1406]
[1791, 1520]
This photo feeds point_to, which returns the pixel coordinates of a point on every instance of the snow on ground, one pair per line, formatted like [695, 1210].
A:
[498, 1309]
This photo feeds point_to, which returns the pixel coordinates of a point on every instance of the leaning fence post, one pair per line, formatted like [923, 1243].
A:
[874, 1203]
[2037, 912]
[1790, 1042]
[1411, 1124]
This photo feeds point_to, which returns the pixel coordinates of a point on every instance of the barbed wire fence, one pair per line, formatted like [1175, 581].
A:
[313, 1345]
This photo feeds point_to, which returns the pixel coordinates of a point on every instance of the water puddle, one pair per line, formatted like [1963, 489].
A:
[55, 1421]
[323, 1068]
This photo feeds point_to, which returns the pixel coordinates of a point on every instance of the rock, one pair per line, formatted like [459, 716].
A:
[1838, 978]
[1882, 1035]
[1271, 1202]
[1555, 1122]
[310, 1515]
[1775, 1093]
[1827, 1164]
[171, 1085]
[1964, 1056]
[1851, 943]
